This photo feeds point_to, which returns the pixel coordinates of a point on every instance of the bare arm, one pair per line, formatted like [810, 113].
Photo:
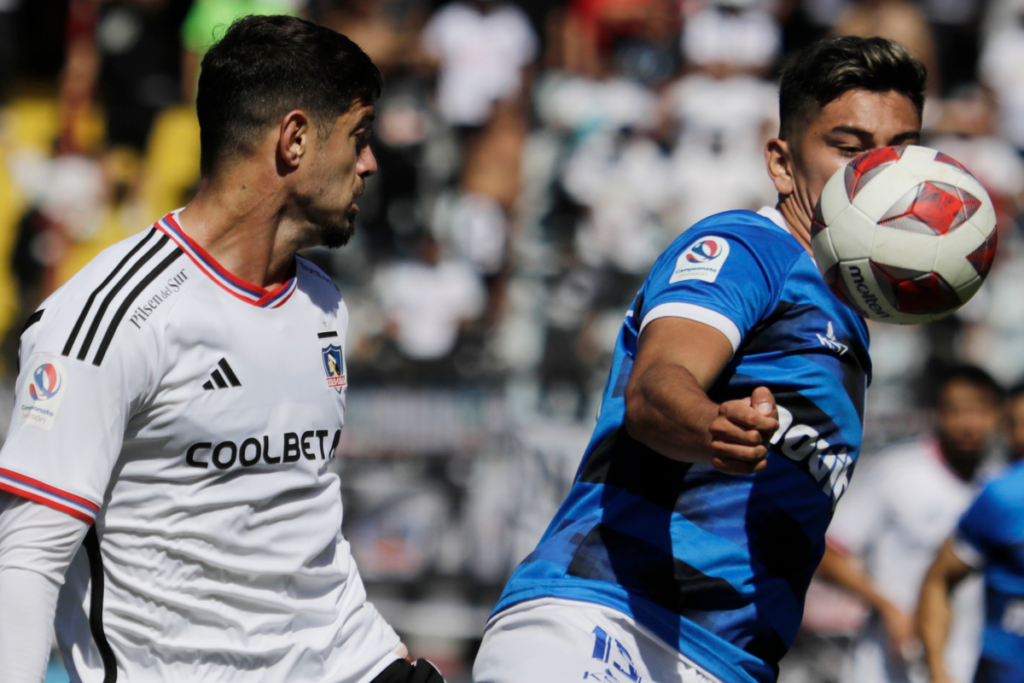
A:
[837, 567]
[933, 611]
[668, 409]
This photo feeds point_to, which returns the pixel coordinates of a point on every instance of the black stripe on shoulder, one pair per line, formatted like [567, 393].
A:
[32, 320]
[92, 297]
[94, 327]
[130, 299]
[92, 550]
[325, 335]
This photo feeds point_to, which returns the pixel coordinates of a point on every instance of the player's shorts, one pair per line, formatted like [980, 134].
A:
[403, 671]
[551, 640]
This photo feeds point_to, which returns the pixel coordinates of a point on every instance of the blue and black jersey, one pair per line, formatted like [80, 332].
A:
[993, 528]
[713, 563]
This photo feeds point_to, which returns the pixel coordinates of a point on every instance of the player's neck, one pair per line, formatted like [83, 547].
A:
[797, 221]
[242, 223]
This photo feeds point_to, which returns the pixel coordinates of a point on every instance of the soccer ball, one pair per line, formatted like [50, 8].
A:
[904, 234]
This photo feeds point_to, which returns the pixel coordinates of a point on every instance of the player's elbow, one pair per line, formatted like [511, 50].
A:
[637, 418]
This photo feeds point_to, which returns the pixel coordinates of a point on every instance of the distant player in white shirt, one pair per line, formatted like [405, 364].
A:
[164, 493]
[893, 519]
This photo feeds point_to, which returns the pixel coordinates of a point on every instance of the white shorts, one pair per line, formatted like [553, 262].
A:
[551, 640]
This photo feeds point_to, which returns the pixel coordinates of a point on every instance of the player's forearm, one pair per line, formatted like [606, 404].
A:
[668, 410]
[933, 618]
[28, 601]
[37, 544]
[838, 568]
[933, 611]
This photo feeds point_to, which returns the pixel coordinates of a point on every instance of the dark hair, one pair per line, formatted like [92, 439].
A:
[266, 66]
[826, 69]
[1016, 390]
[972, 375]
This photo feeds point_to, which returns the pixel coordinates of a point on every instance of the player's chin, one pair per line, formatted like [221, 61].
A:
[336, 234]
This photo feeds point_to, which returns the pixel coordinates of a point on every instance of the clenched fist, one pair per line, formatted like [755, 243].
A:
[741, 433]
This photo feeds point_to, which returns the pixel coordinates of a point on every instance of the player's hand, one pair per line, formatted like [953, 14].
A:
[899, 628]
[742, 431]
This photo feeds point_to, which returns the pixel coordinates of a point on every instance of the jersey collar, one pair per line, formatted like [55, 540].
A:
[775, 216]
[246, 291]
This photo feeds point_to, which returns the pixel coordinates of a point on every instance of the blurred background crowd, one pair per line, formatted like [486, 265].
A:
[535, 157]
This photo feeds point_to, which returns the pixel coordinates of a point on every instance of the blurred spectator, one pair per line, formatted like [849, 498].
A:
[579, 106]
[8, 43]
[139, 62]
[386, 31]
[1015, 411]
[566, 363]
[955, 27]
[482, 48]
[622, 178]
[967, 131]
[823, 14]
[1000, 69]
[427, 303]
[631, 37]
[479, 232]
[898, 20]
[893, 519]
[722, 123]
[206, 22]
[736, 35]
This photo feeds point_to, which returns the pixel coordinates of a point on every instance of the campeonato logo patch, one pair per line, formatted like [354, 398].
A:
[46, 382]
[43, 394]
[702, 260]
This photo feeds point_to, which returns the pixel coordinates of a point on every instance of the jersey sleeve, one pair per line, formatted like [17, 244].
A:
[976, 533]
[70, 414]
[726, 278]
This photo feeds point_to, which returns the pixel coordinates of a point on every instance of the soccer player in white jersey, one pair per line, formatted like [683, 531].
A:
[164, 490]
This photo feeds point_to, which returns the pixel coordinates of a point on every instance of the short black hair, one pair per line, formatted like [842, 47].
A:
[266, 66]
[1016, 390]
[972, 375]
[824, 70]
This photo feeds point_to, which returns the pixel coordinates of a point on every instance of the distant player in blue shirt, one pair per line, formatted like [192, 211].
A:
[990, 539]
[730, 425]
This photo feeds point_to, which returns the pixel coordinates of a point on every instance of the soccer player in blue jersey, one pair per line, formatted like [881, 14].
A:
[730, 425]
[989, 539]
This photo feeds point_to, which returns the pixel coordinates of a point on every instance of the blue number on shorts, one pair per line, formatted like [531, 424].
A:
[601, 644]
[602, 651]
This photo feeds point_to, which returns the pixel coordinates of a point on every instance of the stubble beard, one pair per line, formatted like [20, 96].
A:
[334, 234]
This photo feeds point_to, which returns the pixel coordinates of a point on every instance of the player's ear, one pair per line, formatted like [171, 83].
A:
[293, 140]
[779, 159]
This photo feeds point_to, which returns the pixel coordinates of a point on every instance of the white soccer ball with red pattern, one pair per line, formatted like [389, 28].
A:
[904, 234]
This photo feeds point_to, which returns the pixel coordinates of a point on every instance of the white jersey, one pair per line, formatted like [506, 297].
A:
[895, 516]
[191, 417]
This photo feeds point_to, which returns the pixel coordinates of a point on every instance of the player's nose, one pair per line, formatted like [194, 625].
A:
[367, 164]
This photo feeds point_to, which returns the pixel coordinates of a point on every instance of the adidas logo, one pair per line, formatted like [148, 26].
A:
[219, 381]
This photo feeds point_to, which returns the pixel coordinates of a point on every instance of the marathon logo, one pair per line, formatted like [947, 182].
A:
[141, 313]
[311, 445]
[830, 466]
[869, 299]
